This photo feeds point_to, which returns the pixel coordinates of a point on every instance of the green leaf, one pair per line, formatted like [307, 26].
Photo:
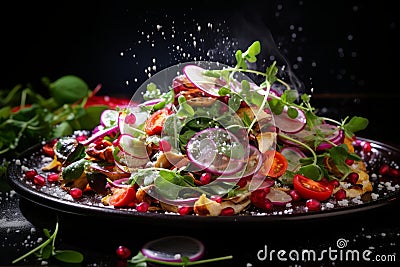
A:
[234, 102]
[311, 171]
[68, 89]
[355, 124]
[68, 256]
[46, 252]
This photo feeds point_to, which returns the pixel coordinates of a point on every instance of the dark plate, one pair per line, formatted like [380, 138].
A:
[53, 197]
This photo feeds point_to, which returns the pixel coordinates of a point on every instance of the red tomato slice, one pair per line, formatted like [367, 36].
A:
[122, 197]
[308, 188]
[155, 123]
[275, 164]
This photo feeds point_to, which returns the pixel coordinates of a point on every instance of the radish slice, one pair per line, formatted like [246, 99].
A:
[290, 125]
[99, 134]
[332, 133]
[173, 248]
[132, 146]
[252, 165]
[210, 85]
[109, 118]
[278, 197]
[216, 150]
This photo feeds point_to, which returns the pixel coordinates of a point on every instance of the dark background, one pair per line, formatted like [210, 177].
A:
[346, 52]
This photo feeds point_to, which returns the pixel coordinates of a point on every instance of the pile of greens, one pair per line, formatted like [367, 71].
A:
[31, 114]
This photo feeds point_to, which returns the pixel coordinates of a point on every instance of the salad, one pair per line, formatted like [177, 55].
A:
[201, 138]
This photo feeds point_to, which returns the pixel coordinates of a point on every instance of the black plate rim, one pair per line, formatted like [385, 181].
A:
[75, 208]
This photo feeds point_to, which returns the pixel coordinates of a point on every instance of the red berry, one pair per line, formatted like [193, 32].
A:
[228, 211]
[205, 178]
[123, 252]
[52, 177]
[295, 195]
[394, 172]
[352, 178]
[349, 161]
[334, 183]
[39, 180]
[366, 147]
[75, 192]
[313, 204]
[30, 174]
[216, 198]
[384, 169]
[340, 194]
[142, 207]
[184, 210]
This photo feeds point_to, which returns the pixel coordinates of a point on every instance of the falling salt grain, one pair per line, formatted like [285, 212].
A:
[177, 256]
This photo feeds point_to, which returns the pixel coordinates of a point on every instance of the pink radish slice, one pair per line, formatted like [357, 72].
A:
[99, 134]
[290, 125]
[132, 146]
[203, 151]
[173, 248]
[210, 85]
[331, 132]
[278, 197]
[109, 118]
[252, 165]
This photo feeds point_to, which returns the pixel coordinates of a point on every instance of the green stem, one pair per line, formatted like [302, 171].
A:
[301, 144]
[189, 263]
[44, 244]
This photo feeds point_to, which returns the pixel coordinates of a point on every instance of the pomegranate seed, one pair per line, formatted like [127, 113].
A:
[295, 195]
[242, 182]
[228, 211]
[268, 206]
[184, 210]
[216, 198]
[123, 252]
[324, 181]
[39, 180]
[349, 161]
[313, 204]
[340, 194]
[352, 178]
[334, 183]
[165, 146]
[356, 142]
[142, 207]
[205, 178]
[130, 119]
[267, 190]
[394, 172]
[384, 169]
[257, 197]
[52, 177]
[75, 192]
[30, 174]
[81, 138]
[366, 147]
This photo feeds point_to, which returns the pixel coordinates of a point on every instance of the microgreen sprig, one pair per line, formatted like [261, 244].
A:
[47, 249]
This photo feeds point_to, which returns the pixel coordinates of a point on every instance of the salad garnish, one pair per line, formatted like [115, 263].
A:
[203, 138]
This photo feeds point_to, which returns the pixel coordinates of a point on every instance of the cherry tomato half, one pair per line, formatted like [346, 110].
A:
[308, 188]
[275, 164]
[122, 197]
[155, 123]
